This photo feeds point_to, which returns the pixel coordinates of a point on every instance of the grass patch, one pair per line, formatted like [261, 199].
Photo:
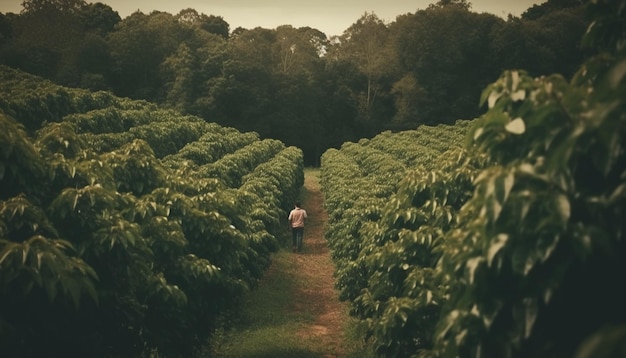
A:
[294, 312]
[268, 321]
[355, 345]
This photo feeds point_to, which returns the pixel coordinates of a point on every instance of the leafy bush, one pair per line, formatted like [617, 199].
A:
[512, 247]
[107, 250]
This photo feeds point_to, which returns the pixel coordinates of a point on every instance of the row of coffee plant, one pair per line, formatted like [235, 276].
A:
[511, 245]
[130, 238]
[360, 178]
[384, 213]
[36, 101]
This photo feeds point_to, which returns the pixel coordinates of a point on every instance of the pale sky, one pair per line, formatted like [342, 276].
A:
[329, 16]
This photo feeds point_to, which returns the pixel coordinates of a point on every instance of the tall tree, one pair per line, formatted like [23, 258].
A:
[408, 112]
[243, 92]
[5, 29]
[268, 84]
[444, 48]
[182, 67]
[462, 4]
[62, 40]
[365, 44]
[541, 45]
[47, 36]
[538, 10]
[139, 46]
[211, 23]
[98, 18]
[298, 49]
[188, 72]
[93, 60]
[45, 6]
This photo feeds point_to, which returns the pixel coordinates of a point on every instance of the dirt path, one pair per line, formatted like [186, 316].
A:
[295, 311]
[326, 330]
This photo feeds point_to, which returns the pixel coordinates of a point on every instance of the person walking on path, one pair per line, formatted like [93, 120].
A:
[296, 221]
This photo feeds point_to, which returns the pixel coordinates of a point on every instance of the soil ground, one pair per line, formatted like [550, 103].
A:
[295, 311]
[327, 328]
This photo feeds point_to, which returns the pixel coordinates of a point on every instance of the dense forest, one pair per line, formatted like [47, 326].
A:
[296, 85]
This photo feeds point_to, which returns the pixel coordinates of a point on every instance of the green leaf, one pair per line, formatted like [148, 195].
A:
[546, 245]
[518, 95]
[516, 126]
[617, 74]
[9, 248]
[50, 286]
[504, 183]
[563, 206]
[531, 311]
[75, 200]
[496, 245]
[618, 194]
[25, 251]
[606, 342]
[522, 258]
[489, 309]
[471, 266]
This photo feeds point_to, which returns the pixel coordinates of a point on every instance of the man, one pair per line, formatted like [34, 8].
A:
[296, 220]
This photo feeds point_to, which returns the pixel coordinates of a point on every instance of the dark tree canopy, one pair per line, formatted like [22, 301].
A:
[64, 6]
[295, 84]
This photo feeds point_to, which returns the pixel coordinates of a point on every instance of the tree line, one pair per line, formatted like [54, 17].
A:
[297, 85]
